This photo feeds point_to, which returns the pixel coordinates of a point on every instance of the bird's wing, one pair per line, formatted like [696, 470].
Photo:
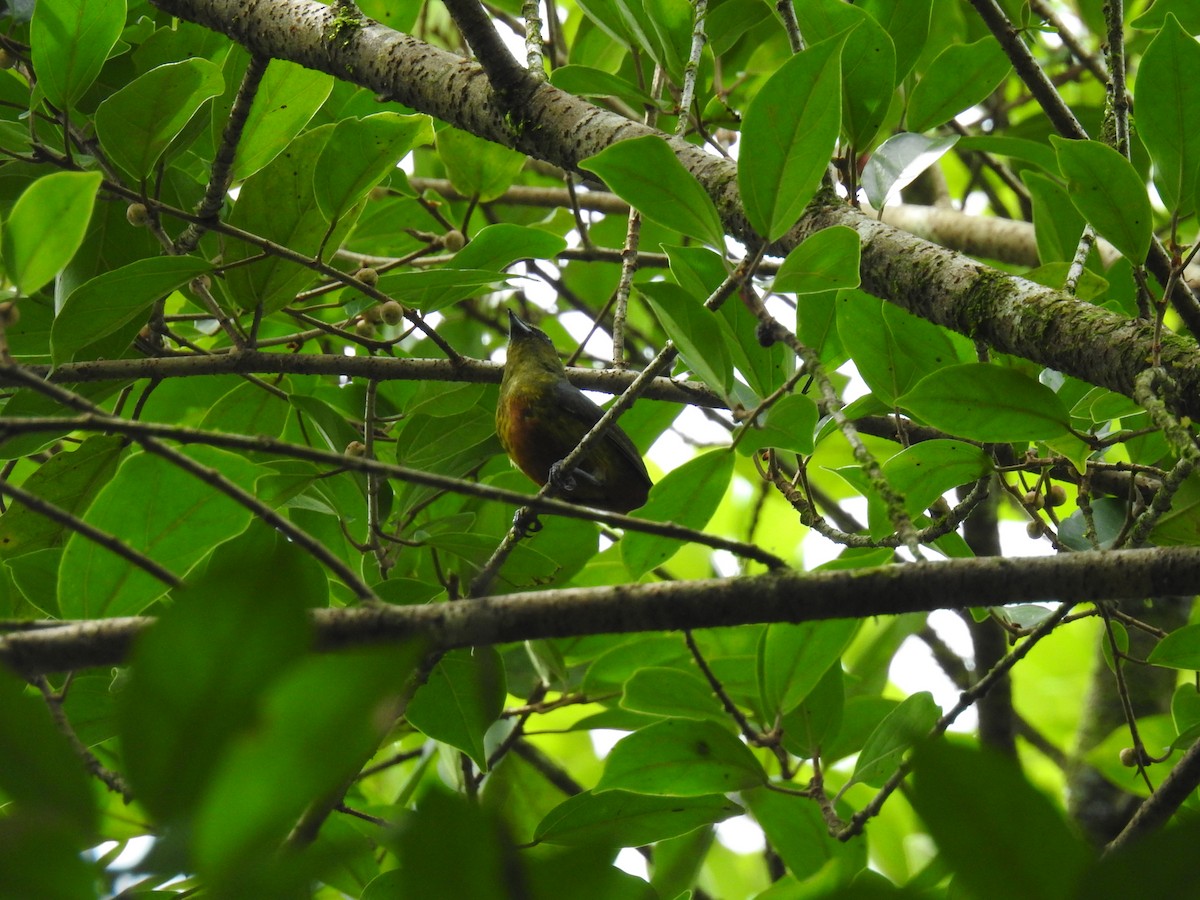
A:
[579, 406]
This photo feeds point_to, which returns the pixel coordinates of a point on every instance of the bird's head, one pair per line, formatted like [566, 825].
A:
[530, 349]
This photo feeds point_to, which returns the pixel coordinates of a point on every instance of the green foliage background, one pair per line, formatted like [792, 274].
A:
[186, 396]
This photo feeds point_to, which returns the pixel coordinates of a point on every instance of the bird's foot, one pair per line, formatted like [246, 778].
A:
[526, 523]
[564, 482]
[568, 483]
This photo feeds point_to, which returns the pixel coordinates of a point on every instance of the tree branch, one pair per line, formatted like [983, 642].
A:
[377, 368]
[784, 596]
[1163, 803]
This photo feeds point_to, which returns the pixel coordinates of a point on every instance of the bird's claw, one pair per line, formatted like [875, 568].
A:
[564, 482]
[526, 523]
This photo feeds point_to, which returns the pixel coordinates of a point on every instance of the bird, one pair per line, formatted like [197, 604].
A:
[541, 417]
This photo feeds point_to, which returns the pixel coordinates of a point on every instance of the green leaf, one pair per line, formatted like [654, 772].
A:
[47, 226]
[787, 138]
[436, 289]
[498, 246]
[288, 96]
[1120, 637]
[988, 403]
[860, 716]
[68, 480]
[892, 348]
[1035, 153]
[907, 23]
[433, 867]
[812, 726]
[248, 410]
[695, 331]
[585, 81]
[1157, 734]
[672, 23]
[69, 41]
[623, 819]
[1159, 864]
[681, 758]
[662, 28]
[1001, 837]
[698, 270]
[961, 76]
[136, 124]
[316, 726]
[1168, 90]
[114, 299]
[331, 425]
[661, 691]
[645, 173]
[461, 700]
[1108, 192]
[159, 510]
[1179, 525]
[477, 167]
[30, 404]
[687, 496]
[359, 154]
[1185, 712]
[615, 665]
[110, 243]
[727, 22]
[764, 369]
[33, 576]
[175, 730]
[39, 858]
[792, 659]
[868, 64]
[925, 471]
[1090, 287]
[896, 162]
[903, 727]
[1178, 650]
[788, 425]
[605, 16]
[38, 769]
[278, 203]
[1057, 224]
[816, 326]
[1156, 16]
[825, 261]
[799, 834]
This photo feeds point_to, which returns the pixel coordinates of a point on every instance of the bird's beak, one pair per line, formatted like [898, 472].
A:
[516, 327]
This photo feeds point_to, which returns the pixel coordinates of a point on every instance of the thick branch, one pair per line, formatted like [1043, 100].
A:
[774, 597]
[1012, 315]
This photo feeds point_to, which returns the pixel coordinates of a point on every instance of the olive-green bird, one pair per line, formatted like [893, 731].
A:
[541, 417]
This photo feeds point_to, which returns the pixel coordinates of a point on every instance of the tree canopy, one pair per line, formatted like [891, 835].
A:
[898, 300]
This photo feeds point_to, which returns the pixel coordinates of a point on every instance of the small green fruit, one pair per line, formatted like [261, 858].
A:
[393, 312]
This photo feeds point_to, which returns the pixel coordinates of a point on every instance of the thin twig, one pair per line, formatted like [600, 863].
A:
[209, 476]
[108, 541]
[1157, 809]
[221, 173]
[110, 779]
[149, 431]
[1114, 14]
[965, 701]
